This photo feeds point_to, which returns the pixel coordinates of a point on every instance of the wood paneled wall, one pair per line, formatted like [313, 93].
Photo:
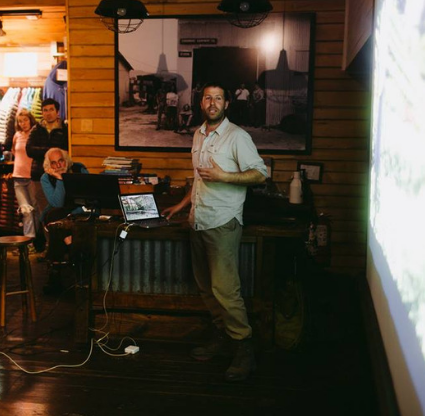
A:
[340, 129]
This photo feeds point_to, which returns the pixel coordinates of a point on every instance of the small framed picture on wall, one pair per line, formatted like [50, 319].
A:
[313, 171]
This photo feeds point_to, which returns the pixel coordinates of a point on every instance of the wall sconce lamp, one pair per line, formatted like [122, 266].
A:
[121, 16]
[245, 13]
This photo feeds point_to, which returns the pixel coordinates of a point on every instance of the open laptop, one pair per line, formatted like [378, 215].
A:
[141, 210]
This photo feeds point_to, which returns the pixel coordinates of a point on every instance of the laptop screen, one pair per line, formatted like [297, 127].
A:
[138, 207]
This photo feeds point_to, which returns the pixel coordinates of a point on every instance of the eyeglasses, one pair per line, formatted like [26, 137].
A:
[56, 163]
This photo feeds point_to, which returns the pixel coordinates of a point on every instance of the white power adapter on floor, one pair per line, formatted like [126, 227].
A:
[131, 349]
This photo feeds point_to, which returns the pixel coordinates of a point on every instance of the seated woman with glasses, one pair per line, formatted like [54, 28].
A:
[57, 162]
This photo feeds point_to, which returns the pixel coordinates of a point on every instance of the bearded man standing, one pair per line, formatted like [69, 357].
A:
[225, 162]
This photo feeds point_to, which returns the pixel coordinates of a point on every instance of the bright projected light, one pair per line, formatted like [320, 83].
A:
[397, 191]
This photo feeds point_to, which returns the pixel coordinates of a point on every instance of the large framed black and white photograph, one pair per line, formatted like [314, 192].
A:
[267, 70]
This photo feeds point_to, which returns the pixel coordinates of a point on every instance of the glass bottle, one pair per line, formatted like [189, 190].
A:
[295, 190]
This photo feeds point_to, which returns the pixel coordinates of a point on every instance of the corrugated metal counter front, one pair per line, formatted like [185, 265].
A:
[160, 266]
[151, 273]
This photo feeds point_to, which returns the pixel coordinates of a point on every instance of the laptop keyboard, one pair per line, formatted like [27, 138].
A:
[157, 222]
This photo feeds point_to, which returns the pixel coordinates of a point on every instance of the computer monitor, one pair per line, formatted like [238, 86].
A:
[94, 191]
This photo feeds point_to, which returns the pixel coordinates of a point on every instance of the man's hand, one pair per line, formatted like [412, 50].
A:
[170, 211]
[214, 174]
[54, 173]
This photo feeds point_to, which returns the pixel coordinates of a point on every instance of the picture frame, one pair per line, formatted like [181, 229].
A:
[178, 54]
[313, 171]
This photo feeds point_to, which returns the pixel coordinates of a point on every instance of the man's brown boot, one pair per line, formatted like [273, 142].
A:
[218, 345]
[243, 363]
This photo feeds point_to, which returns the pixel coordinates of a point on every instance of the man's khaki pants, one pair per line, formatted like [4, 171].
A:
[215, 261]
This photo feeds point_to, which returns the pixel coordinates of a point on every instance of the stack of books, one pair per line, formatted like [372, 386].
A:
[140, 179]
[121, 166]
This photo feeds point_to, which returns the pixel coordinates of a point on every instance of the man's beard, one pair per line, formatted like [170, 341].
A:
[215, 118]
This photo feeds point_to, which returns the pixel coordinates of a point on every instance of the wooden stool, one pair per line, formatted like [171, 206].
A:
[25, 275]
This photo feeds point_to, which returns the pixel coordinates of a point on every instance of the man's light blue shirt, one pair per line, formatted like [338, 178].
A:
[215, 203]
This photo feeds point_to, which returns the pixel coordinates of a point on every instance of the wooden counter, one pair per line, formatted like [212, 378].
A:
[152, 273]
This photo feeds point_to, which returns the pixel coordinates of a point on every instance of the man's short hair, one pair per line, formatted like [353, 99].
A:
[214, 84]
[49, 101]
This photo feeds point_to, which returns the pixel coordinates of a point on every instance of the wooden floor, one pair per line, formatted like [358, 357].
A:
[328, 374]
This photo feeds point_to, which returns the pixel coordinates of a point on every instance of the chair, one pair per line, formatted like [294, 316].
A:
[26, 291]
[57, 255]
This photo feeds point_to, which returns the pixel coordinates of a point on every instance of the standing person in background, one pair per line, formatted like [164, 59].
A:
[225, 162]
[259, 106]
[50, 132]
[24, 187]
[172, 100]
[160, 106]
[196, 104]
[241, 105]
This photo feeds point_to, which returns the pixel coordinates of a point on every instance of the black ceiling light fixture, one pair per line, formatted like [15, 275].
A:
[122, 16]
[245, 13]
